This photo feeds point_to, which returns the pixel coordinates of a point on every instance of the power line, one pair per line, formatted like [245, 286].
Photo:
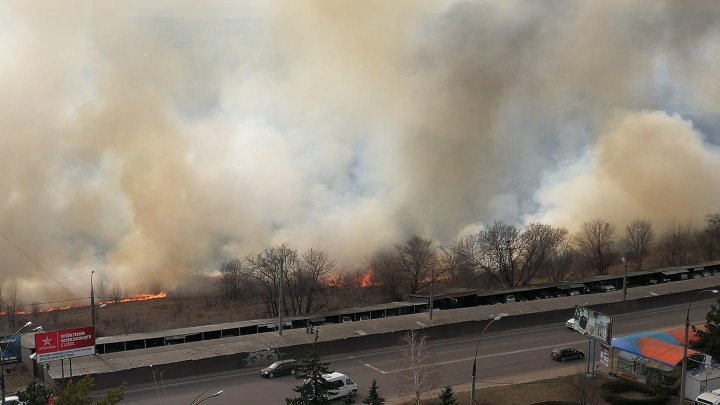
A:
[35, 263]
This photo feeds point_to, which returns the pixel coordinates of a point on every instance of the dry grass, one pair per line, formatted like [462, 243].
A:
[175, 311]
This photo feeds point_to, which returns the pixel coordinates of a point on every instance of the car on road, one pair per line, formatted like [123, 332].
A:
[14, 400]
[282, 367]
[566, 353]
[570, 323]
[343, 386]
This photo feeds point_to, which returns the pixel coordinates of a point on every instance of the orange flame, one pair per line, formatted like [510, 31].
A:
[367, 279]
[335, 281]
[142, 297]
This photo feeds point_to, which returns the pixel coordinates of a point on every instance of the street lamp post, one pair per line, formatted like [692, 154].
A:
[280, 299]
[205, 399]
[13, 338]
[685, 347]
[474, 370]
[432, 281]
[624, 280]
[92, 300]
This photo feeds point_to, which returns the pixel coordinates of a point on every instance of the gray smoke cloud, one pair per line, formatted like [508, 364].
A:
[151, 140]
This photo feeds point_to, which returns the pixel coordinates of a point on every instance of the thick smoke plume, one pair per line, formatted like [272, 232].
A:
[152, 140]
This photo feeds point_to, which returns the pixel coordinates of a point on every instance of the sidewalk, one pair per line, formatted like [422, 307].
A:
[515, 379]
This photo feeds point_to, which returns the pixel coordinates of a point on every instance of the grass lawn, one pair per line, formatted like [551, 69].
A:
[557, 389]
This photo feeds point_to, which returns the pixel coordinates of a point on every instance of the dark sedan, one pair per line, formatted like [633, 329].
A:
[282, 367]
[566, 353]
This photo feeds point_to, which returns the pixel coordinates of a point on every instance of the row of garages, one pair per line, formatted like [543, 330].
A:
[416, 303]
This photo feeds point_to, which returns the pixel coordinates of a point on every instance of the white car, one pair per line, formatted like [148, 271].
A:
[343, 386]
[570, 323]
[14, 400]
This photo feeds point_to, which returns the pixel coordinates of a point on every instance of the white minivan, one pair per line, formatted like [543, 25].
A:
[343, 385]
[708, 398]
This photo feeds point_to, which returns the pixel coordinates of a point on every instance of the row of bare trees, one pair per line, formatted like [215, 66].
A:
[499, 256]
[302, 277]
[505, 255]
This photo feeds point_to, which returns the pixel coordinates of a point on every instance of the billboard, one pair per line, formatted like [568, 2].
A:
[593, 324]
[65, 344]
[10, 348]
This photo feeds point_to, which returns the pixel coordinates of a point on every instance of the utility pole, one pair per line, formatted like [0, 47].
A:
[92, 301]
[280, 298]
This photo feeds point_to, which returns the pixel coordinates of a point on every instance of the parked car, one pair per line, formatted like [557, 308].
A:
[509, 298]
[570, 323]
[603, 288]
[566, 353]
[282, 367]
[696, 275]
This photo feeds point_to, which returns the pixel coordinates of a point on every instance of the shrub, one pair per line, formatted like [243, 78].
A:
[616, 393]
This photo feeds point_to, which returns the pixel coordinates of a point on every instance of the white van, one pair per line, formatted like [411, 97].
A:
[708, 398]
[343, 385]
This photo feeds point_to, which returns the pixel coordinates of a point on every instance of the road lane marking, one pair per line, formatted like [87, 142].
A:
[471, 358]
[372, 367]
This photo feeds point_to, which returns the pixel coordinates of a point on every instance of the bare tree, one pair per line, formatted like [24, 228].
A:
[458, 270]
[509, 255]
[417, 260]
[11, 306]
[116, 292]
[387, 273]
[584, 390]
[102, 290]
[308, 280]
[2, 302]
[639, 238]
[418, 375]
[267, 269]
[231, 278]
[709, 239]
[676, 243]
[537, 244]
[594, 242]
[559, 264]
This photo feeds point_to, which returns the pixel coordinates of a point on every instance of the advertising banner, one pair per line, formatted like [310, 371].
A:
[10, 348]
[65, 344]
[593, 324]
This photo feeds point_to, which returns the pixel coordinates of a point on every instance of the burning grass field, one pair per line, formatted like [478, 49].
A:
[159, 311]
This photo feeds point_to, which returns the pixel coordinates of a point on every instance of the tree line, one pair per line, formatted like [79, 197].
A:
[501, 255]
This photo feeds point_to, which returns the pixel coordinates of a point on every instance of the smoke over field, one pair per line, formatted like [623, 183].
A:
[152, 141]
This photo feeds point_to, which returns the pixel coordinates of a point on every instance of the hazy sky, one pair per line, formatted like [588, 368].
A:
[148, 140]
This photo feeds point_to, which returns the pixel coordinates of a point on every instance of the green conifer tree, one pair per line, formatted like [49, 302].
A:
[709, 339]
[374, 397]
[313, 388]
[447, 397]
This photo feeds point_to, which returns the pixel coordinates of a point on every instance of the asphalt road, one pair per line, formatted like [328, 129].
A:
[502, 357]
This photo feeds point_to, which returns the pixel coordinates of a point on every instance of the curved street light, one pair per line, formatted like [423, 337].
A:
[685, 346]
[15, 336]
[205, 399]
[474, 370]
